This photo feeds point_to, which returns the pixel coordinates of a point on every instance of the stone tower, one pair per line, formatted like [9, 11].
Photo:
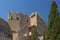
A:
[17, 21]
[14, 20]
[37, 22]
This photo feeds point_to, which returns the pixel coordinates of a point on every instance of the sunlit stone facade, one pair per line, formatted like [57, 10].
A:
[21, 25]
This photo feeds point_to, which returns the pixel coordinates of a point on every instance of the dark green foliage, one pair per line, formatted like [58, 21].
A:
[35, 34]
[58, 33]
[52, 29]
[55, 28]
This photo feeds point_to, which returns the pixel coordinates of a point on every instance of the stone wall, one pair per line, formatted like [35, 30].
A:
[5, 30]
[17, 24]
[41, 25]
[33, 19]
[36, 20]
[3, 22]
[17, 20]
[5, 38]
[14, 21]
[23, 33]
[15, 36]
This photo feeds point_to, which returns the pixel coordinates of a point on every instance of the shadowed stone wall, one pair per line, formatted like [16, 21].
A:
[5, 31]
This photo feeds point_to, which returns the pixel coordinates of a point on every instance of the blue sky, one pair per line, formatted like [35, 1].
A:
[26, 6]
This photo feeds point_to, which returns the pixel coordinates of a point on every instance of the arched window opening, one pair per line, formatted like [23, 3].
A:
[17, 18]
[11, 17]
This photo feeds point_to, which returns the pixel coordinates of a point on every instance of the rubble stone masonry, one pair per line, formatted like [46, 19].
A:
[19, 26]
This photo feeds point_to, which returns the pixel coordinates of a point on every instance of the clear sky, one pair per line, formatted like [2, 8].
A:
[26, 6]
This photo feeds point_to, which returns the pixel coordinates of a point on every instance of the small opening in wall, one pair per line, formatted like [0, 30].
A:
[11, 17]
[17, 18]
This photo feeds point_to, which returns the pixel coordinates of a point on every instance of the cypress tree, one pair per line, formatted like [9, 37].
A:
[51, 20]
[55, 28]
[58, 33]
